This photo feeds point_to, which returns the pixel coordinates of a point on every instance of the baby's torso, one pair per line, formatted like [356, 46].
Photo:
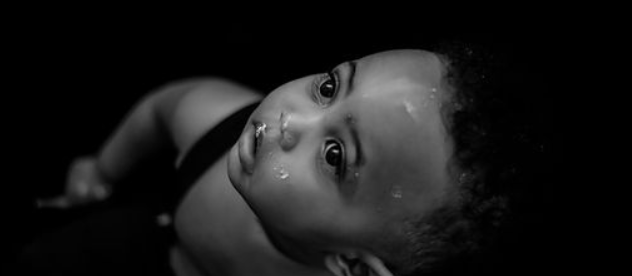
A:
[217, 231]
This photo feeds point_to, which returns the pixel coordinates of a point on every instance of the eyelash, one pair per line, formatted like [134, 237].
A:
[320, 80]
[337, 172]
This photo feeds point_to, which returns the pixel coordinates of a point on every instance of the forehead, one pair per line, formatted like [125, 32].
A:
[421, 67]
[397, 104]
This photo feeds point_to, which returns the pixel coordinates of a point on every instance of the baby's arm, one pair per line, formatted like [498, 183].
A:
[172, 117]
[144, 132]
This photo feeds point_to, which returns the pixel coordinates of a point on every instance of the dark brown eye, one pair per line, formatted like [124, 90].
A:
[327, 88]
[334, 156]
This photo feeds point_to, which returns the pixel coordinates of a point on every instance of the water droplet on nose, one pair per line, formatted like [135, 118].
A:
[396, 191]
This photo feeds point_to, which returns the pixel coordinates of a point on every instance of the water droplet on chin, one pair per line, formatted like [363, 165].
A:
[396, 191]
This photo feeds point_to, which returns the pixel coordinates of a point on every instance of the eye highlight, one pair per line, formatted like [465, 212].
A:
[325, 88]
[333, 158]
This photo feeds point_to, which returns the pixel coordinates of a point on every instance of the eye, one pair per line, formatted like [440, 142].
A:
[334, 157]
[326, 87]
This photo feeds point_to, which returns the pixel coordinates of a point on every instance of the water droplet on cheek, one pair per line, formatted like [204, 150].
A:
[396, 191]
[281, 172]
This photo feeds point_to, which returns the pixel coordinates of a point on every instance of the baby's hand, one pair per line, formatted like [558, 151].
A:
[84, 185]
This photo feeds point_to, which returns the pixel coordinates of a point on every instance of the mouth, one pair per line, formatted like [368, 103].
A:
[249, 145]
[260, 130]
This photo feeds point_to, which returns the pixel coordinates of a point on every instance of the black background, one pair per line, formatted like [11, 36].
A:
[71, 83]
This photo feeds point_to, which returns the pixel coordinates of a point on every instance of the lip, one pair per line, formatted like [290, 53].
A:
[246, 149]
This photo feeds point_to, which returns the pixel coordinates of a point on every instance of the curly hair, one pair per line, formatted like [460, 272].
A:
[496, 152]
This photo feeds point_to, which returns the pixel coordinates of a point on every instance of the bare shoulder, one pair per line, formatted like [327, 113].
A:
[202, 104]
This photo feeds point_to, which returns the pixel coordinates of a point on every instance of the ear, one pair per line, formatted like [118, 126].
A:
[356, 265]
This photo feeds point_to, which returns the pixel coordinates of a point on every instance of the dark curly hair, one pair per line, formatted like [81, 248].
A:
[494, 163]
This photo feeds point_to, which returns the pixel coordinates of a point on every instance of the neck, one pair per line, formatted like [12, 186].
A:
[292, 251]
[285, 260]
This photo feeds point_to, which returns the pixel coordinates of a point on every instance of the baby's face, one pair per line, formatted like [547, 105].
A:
[345, 157]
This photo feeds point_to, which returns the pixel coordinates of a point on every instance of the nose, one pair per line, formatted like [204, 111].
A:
[293, 127]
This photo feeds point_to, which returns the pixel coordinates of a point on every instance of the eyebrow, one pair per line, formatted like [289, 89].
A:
[351, 121]
[350, 77]
[360, 161]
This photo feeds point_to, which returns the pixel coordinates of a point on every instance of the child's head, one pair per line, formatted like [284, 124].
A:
[360, 167]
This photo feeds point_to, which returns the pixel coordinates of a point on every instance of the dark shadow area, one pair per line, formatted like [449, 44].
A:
[71, 89]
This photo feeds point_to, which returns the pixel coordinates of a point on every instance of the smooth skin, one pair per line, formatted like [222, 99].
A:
[328, 212]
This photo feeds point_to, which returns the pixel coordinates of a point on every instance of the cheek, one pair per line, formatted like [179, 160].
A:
[285, 192]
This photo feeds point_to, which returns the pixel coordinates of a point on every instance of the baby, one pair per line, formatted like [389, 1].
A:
[372, 168]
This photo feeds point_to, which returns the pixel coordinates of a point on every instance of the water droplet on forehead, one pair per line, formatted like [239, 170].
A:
[433, 93]
[464, 177]
[396, 191]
